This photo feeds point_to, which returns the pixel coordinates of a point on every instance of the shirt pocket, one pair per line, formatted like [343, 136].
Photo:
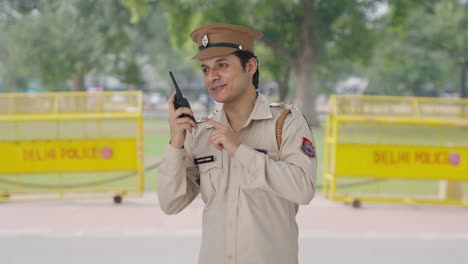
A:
[210, 177]
[247, 178]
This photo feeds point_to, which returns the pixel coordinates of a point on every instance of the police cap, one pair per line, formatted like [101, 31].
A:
[221, 39]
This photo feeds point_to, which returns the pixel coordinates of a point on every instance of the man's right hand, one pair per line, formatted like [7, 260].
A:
[179, 125]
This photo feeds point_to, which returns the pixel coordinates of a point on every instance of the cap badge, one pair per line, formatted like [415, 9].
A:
[205, 41]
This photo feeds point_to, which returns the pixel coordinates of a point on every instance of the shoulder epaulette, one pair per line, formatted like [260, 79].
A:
[282, 105]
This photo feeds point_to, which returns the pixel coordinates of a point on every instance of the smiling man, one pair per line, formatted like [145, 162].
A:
[252, 178]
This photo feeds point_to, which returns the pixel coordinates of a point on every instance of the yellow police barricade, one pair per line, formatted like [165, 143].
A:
[396, 149]
[71, 145]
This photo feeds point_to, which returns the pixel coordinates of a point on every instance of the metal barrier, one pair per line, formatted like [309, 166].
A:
[71, 145]
[396, 149]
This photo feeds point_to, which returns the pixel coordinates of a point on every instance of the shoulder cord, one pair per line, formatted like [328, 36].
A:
[279, 127]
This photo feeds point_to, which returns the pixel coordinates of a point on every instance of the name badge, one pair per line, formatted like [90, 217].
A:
[202, 160]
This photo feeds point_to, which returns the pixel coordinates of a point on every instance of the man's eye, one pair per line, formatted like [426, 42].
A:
[222, 65]
[205, 70]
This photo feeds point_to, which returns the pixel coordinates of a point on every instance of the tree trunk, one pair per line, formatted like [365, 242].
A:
[78, 83]
[283, 90]
[465, 52]
[305, 94]
[302, 63]
[463, 79]
[304, 66]
[283, 85]
[15, 85]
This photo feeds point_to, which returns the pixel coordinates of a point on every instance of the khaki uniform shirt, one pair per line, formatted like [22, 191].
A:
[251, 199]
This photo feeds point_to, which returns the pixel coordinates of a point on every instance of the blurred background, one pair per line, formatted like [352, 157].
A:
[311, 51]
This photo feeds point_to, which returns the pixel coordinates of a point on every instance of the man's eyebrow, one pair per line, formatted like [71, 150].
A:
[218, 60]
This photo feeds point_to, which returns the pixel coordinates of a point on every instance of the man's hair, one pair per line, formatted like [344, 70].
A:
[244, 57]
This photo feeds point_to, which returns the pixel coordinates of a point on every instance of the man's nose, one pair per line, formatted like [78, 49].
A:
[213, 75]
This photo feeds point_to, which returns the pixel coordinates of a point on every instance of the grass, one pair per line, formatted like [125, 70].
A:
[156, 138]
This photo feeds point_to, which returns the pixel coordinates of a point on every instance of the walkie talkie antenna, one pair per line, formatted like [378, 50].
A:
[175, 84]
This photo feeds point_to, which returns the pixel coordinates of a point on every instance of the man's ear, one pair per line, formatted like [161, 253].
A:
[252, 65]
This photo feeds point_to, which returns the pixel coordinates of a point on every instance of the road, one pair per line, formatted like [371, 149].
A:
[96, 231]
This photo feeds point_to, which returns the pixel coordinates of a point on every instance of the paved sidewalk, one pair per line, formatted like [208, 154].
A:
[137, 231]
[143, 214]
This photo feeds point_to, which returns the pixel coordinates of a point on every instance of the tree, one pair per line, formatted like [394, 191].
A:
[448, 33]
[280, 71]
[59, 40]
[303, 33]
[153, 43]
[421, 49]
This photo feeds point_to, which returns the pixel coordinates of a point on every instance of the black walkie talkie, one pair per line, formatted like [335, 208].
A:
[180, 101]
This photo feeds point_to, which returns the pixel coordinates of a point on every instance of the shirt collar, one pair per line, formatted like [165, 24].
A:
[260, 111]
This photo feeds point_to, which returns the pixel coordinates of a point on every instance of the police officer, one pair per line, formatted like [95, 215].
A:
[251, 186]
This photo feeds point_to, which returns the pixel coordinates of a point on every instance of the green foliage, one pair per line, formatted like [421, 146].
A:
[60, 51]
[138, 9]
[63, 39]
[416, 47]
[338, 25]
[131, 74]
[302, 34]
[423, 56]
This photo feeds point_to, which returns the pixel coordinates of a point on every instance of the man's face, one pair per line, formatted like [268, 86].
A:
[225, 78]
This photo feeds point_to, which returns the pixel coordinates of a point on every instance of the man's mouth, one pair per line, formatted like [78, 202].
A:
[217, 87]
